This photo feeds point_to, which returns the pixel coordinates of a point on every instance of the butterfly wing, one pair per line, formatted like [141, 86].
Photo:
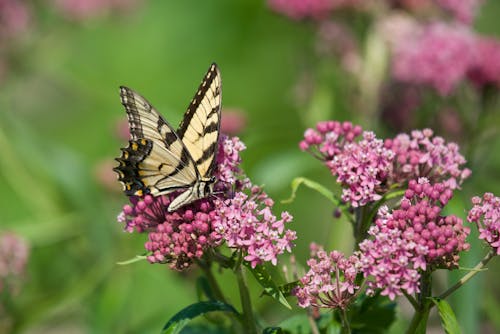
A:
[156, 160]
[199, 129]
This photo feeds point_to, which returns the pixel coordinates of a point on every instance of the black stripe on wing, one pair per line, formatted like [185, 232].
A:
[200, 127]
[128, 168]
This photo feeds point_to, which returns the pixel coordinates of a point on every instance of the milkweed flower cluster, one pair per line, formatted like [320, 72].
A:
[486, 215]
[247, 223]
[366, 168]
[14, 253]
[361, 168]
[422, 154]
[438, 55]
[244, 222]
[485, 70]
[462, 10]
[330, 281]
[411, 239]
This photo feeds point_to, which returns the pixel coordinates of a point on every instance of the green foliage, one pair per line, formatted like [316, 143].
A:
[448, 319]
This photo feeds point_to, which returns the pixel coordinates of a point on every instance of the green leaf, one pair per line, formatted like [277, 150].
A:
[372, 314]
[266, 281]
[298, 323]
[448, 319]
[182, 318]
[313, 185]
[272, 330]
[137, 258]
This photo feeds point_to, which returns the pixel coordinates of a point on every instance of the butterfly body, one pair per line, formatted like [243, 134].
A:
[158, 159]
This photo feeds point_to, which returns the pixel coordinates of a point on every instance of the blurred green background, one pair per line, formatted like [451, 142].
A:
[59, 115]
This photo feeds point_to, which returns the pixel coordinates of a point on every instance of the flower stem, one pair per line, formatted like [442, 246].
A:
[469, 275]
[346, 328]
[246, 303]
[206, 267]
[423, 305]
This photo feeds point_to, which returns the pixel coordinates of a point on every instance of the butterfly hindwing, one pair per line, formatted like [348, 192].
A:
[199, 129]
[158, 159]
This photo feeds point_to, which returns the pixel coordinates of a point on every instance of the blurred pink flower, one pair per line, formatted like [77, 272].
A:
[233, 121]
[80, 10]
[485, 68]
[439, 56]
[14, 253]
[463, 10]
[14, 18]
[315, 9]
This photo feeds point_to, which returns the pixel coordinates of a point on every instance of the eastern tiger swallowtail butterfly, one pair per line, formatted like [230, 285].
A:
[158, 159]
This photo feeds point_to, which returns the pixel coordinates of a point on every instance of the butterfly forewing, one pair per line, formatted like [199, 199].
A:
[199, 130]
[158, 159]
[161, 166]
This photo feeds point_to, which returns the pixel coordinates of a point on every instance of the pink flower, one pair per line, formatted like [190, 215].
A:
[301, 9]
[244, 222]
[248, 224]
[330, 281]
[412, 239]
[485, 68]
[14, 18]
[439, 55]
[463, 10]
[80, 10]
[425, 155]
[486, 214]
[14, 253]
[361, 168]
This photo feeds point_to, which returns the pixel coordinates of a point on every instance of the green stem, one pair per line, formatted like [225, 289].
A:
[469, 275]
[207, 269]
[346, 328]
[423, 305]
[246, 303]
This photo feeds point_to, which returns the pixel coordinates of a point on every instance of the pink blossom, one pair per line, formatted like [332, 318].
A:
[14, 253]
[439, 55]
[424, 155]
[463, 10]
[361, 168]
[486, 214]
[80, 10]
[412, 239]
[330, 281]
[301, 9]
[244, 222]
[485, 69]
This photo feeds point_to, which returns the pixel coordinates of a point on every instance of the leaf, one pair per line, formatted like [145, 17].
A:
[448, 319]
[181, 319]
[137, 258]
[298, 323]
[372, 314]
[273, 330]
[313, 185]
[266, 281]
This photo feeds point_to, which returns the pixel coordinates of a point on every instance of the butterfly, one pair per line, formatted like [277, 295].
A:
[159, 160]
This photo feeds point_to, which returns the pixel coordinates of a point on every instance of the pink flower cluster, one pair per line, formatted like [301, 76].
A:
[438, 55]
[330, 281]
[412, 238]
[247, 223]
[361, 168]
[14, 254]
[315, 9]
[485, 68]
[80, 10]
[329, 138]
[441, 55]
[243, 222]
[463, 10]
[425, 155]
[486, 215]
